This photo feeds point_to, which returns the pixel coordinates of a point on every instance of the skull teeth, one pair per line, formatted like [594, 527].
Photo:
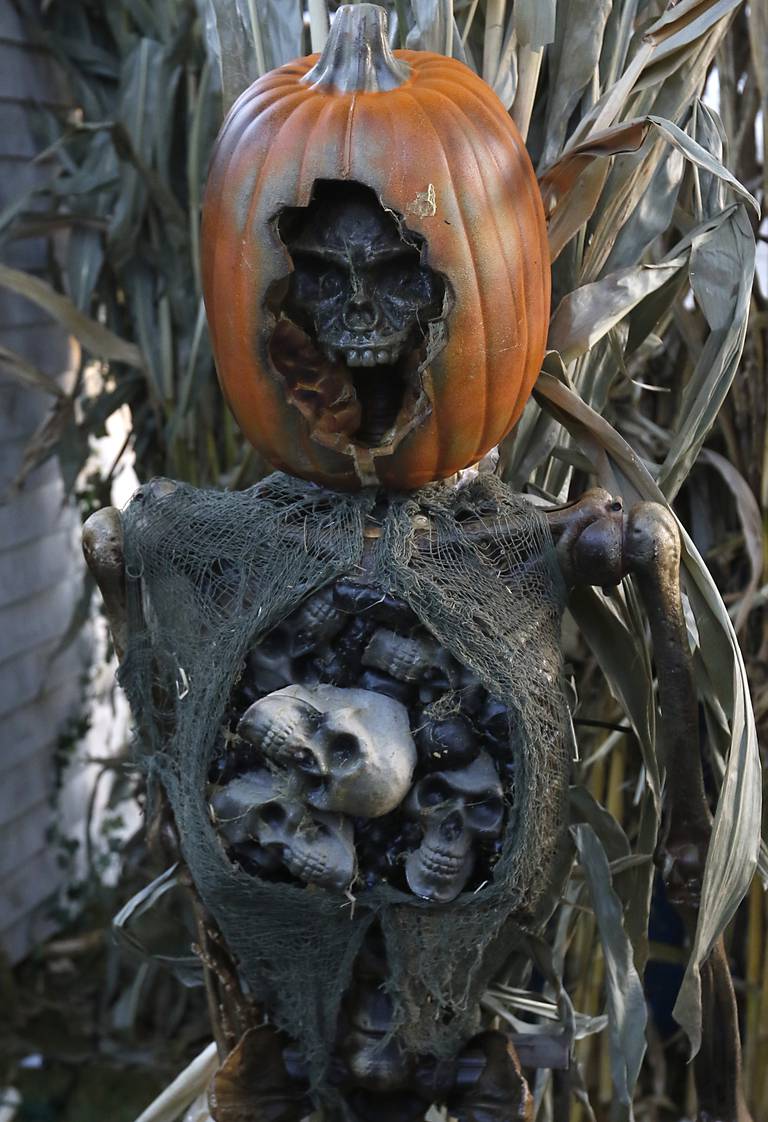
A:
[305, 868]
[441, 864]
[367, 356]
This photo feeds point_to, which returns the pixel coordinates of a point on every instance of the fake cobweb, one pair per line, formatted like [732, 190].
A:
[209, 574]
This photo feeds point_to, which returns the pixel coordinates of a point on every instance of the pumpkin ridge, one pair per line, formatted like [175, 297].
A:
[535, 202]
[255, 111]
[266, 84]
[245, 315]
[521, 308]
[444, 432]
[327, 109]
[456, 71]
[231, 153]
[347, 158]
[473, 140]
[232, 133]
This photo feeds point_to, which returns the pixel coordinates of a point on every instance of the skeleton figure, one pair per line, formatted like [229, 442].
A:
[355, 312]
[353, 748]
[269, 826]
[455, 810]
[598, 542]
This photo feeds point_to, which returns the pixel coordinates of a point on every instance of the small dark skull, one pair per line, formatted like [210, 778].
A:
[358, 287]
[454, 809]
[261, 821]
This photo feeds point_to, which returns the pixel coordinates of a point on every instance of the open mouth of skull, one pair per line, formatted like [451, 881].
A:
[358, 318]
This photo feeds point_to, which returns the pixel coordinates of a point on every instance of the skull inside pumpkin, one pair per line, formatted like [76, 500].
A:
[372, 322]
[359, 290]
[455, 810]
[351, 750]
[357, 283]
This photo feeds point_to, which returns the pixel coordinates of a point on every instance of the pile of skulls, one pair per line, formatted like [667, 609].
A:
[358, 750]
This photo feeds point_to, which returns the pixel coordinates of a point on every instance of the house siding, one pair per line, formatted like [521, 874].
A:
[41, 686]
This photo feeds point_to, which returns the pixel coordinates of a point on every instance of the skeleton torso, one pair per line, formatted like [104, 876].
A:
[375, 734]
[366, 768]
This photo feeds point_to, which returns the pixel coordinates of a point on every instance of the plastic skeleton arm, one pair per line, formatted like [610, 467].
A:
[598, 543]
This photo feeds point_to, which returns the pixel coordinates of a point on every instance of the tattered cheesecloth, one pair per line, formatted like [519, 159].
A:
[209, 574]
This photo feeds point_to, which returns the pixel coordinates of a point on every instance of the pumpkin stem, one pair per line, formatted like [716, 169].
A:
[357, 56]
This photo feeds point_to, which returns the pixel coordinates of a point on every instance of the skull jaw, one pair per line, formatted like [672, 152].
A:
[366, 349]
[438, 875]
[335, 868]
[359, 408]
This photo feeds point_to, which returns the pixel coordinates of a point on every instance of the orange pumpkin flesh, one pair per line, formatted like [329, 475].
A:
[439, 151]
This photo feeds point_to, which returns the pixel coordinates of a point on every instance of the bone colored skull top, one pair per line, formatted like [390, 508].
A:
[351, 749]
[455, 809]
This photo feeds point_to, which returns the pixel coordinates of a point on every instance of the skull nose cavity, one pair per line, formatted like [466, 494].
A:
[360, 314]
[310, 763]
[452, 826]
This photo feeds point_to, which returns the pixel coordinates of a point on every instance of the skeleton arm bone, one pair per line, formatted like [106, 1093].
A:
[595, 539]
[103, 549]
[597, 544]
[105, 557]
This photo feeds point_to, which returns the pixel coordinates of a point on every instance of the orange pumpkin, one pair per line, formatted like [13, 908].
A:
[436, 146]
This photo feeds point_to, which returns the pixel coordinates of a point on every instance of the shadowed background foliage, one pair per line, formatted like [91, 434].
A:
[653, 200]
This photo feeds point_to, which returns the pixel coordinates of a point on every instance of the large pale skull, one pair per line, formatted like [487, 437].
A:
[357, 286]
[272, 827]
[455, 809]
[352, 749]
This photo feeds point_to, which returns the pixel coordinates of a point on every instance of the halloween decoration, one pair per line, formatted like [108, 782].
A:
[352, 748]
[351, 697]
[270, 826]
[454, 810]
[401, 657]
[477, 604]
[374, 322]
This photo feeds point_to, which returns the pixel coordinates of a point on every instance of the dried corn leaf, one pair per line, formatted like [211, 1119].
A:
[94, 336]
[573, 61]
[534, 22]
[28, 374]
[721, 268]
[625, 999]
[751, 521]
[588, 313]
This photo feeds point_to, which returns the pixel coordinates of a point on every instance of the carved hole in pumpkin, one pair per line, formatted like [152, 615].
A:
[357, 320]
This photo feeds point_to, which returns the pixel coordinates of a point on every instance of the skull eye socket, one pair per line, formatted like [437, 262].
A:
[331, 284]
[403, 281]
[272, 814]
[315, 279]
[343, 750]
[432, 792]
[485, 814]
